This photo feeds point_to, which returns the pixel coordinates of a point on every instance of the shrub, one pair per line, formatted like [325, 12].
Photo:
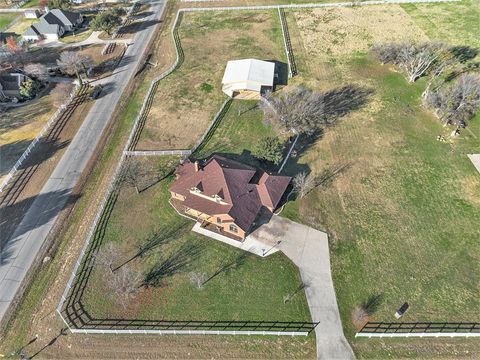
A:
[270, 149]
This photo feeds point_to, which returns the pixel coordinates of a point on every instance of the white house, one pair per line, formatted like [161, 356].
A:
[248, 78]
[53, 25]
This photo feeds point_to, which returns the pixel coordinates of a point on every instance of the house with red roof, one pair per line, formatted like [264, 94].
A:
[226, 195]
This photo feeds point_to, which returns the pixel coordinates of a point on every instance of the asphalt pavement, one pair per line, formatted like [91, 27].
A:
[19, 252]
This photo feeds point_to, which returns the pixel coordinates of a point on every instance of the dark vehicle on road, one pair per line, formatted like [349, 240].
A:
[96, 92]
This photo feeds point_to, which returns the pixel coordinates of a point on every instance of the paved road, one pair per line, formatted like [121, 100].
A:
[308, 249]
[19, 253]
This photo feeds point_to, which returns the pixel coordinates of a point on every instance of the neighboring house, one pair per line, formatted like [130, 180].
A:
[32, 14]
[225, 195]
[53, 25]
[42, 30]
[248, 78]
[10, 85]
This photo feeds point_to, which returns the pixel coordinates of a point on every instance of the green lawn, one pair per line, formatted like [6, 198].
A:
[236, 134]
[248, 288]
[403, 217]
[7, 18]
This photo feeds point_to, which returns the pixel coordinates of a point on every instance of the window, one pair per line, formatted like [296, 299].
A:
[219, 221]
[233, 228]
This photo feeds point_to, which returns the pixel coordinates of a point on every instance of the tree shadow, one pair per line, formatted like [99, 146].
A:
[142, 15]
[47, 206]
[176, 263]
[137, 26]
[157, 239]
[342, 101]
[115, 63]
[372, 304]
[464, 53]
[227, 266]
[338, 103]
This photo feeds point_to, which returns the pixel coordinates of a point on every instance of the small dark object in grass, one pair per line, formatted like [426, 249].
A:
[206, 87]
[401, 311]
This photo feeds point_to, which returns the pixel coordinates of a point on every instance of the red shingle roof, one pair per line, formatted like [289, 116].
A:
[241, 197]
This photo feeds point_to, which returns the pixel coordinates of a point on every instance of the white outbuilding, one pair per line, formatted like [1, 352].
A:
[248, 78]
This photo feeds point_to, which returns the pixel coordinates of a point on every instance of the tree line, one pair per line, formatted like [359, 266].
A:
[453, 83]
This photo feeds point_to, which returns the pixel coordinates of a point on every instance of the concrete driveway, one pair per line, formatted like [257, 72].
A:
[308, 249]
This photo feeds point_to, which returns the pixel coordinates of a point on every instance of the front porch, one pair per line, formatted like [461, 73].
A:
[219, 230]
[250, 243]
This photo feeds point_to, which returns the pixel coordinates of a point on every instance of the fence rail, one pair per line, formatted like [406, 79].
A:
[190, 332]
[129, 147]
[113, 181]
[313, 5]
[157, 152]
[292, 67]
[34, 142]
[420, 329]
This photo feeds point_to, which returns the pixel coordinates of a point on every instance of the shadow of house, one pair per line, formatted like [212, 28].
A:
[281, 74]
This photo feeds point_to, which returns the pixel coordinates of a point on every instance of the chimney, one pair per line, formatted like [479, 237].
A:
[197, 166]
[47, 10]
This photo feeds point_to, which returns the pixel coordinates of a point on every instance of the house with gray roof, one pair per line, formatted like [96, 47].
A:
[53, 25]
[10, 84]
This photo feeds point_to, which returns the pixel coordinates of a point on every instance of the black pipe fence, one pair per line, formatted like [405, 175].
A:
[420, 327]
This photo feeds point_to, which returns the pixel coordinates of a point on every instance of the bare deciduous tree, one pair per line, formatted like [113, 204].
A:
[457, 102]
[61, 93]
[125, 284]
[198, 279]
[36, 70]
[130, 173]
[74, 62]
[414, 60]
[303, 183]
[107, 255]
[300, 109]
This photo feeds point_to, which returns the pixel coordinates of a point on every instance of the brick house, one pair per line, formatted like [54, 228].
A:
[226, 195]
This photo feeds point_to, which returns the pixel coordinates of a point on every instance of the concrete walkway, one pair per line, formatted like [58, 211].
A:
[250, 244]
[91, 40]
[308, 249]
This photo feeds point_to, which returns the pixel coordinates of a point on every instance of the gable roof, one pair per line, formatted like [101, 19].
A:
[9, 82]
[241, 197]
[43, 28]
[249, 70]
[61, 17]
